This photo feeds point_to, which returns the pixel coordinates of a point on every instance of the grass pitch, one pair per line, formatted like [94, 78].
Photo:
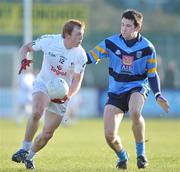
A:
[82, 147]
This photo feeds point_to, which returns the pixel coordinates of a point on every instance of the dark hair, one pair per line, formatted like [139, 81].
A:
[69, 26]
[133, 15]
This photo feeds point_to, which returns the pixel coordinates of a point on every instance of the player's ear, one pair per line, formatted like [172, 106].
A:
[138, 28]
[67, 35]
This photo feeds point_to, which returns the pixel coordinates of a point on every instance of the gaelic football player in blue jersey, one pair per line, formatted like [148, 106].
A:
[132, 72]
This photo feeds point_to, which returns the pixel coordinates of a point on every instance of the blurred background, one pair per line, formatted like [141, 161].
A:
[24, 20]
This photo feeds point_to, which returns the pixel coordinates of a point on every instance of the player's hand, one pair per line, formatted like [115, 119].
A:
[60, 101]
[24, 64]
[163, 103]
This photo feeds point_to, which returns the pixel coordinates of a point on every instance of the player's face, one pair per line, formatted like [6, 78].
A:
[76, 36]
[128, 29]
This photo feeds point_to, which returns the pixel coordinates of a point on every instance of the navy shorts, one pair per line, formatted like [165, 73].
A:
[121, 101]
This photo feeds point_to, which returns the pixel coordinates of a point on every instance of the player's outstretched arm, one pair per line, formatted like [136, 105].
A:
[23, 56]
[163, 103]
[76, 84]
[24, 50]
[155, 86]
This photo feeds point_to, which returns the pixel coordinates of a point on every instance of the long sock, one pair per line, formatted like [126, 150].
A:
[122, 155]
[26, 145]
[140, 148]
[31, 155]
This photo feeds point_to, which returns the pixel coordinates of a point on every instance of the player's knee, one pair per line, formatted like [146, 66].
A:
[110, 137]
[135, 114]
[36, 116]
[47, 135]
[37, 112]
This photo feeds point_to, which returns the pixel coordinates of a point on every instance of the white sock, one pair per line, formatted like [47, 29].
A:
[26, 145]
[31, 155]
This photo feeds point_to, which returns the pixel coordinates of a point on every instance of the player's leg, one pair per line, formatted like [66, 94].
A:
[112, 120]
[136, 104]
[52, 121]
[40, 102]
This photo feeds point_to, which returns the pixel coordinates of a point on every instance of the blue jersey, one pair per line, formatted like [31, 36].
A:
[129, 67]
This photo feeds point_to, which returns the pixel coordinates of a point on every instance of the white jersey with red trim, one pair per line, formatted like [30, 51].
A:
[59, 61]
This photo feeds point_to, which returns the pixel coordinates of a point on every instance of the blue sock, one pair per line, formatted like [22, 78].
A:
[140, 148]
[122, 155]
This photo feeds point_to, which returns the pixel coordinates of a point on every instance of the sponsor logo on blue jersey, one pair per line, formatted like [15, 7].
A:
[127, 64]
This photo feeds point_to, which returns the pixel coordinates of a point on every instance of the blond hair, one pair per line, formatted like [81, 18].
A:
[69, 26]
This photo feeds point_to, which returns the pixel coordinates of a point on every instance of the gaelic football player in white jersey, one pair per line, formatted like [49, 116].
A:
[63, 57]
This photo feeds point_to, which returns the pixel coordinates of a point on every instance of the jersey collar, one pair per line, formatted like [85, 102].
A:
[131, 42]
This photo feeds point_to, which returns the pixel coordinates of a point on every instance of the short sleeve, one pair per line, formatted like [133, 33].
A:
[42, 42]
[98, 52]
[81, 62]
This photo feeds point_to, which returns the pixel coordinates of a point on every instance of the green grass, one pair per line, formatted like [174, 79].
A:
[82, 147]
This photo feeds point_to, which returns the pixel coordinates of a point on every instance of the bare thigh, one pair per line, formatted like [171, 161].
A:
[39, 103]
[51, 122]
[136, 104]
[112, 119]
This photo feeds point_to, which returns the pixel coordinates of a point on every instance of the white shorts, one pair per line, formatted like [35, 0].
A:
[59, 109]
